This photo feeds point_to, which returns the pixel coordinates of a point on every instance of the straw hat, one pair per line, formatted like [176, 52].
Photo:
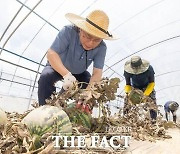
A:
[136, 65]
[96, 24]
[173, 105]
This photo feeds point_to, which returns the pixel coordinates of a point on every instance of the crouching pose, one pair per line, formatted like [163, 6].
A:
[171, 106]
[72, 52]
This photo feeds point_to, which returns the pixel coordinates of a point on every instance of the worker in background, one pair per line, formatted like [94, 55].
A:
[139, 74]
[74, 49]
[171, 106]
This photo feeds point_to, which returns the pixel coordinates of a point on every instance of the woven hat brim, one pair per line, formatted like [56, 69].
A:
[172, 106]
[141, 69]
[84, 25]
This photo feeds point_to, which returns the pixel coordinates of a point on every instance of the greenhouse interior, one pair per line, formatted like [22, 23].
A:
[145, 28]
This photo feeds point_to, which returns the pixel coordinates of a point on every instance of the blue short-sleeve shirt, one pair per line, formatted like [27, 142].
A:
[166, 106]
[67, 45]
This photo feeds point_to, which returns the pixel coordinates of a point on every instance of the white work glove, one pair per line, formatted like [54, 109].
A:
[69, 79]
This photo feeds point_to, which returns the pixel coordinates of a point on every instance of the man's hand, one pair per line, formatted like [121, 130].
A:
[69, 79]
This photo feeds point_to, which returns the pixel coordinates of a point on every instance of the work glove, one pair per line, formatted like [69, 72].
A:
[127, 89]
[149, 89]
[69, 79]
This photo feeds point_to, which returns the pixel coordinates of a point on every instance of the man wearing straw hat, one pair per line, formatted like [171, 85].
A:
[171, 106]
[139, 74]
[74, 49]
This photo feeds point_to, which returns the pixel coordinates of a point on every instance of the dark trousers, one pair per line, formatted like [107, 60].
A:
[174, 116]
[153, 113]
[48, 78]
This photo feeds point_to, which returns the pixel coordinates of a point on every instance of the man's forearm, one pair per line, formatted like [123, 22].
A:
[94, 79]
[56, 63]
[96, 76]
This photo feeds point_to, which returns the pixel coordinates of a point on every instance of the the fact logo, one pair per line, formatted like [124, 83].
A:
[96, 141]
[68, 141]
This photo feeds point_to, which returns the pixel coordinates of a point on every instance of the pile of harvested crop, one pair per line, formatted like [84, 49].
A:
[32, 131]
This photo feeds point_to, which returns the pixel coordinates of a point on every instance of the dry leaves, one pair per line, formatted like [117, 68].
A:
[15, 137]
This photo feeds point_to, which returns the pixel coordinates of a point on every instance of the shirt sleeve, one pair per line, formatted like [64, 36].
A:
[61, 41]
[151, 74]
[127, 78]
[166, 106]
[100, 57]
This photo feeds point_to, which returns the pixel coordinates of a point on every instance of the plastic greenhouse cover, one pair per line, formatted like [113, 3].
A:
[148, 28]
